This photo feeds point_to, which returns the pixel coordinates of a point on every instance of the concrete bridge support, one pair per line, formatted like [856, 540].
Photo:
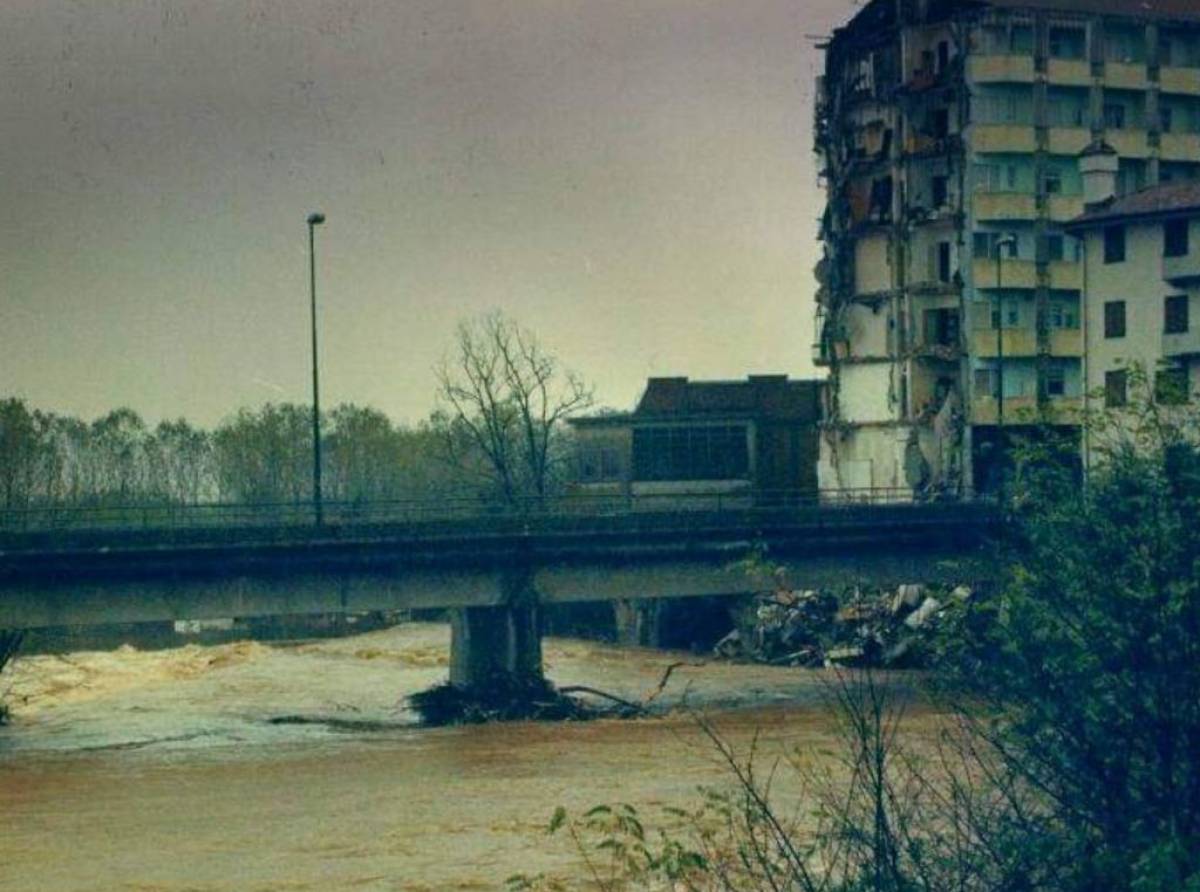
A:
[638, 621]
[492, 643]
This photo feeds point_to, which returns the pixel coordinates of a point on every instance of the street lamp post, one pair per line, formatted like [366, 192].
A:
[315, 220]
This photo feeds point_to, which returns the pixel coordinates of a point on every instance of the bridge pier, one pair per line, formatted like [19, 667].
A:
[638, 621]
[504, 641]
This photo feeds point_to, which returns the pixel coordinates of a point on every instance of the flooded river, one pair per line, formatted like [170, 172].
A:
[164, 771]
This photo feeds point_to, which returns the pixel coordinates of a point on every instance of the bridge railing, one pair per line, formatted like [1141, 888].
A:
[415, 511]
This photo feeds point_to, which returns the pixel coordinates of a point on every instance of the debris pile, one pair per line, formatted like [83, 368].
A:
[811, 628]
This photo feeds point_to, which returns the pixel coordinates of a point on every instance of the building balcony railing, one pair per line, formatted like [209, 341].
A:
[1179, 146]
[1066, 342]
[1062, 208]
[1069, 72]
[1126, 75]
[1004, 206]
[989, 69]
[1129, 143]
[1066, 275]
[1184, 81]
[1015, 273]
[1186, 343]
[1014, 342]
[1182, 270]
[1024, 410]
[1068, 140]
[1016, 138]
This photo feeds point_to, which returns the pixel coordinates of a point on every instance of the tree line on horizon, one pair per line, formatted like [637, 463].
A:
[497, 434]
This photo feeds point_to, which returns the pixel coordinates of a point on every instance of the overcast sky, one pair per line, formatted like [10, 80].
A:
[632, 179]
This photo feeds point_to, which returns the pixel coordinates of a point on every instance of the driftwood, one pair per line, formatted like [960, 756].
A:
[584, 689]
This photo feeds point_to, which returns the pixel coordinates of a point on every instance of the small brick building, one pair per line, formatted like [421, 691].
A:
[755, 436]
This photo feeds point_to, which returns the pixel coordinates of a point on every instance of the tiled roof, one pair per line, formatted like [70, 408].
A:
[1163, 199]
[758, 395]
[1188, 10]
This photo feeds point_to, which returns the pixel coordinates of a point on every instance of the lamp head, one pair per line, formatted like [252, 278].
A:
[316, 219]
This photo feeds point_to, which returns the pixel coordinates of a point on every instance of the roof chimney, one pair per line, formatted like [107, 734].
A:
[1098, 165]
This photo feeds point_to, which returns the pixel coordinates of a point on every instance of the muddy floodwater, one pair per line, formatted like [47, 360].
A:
[252, 767]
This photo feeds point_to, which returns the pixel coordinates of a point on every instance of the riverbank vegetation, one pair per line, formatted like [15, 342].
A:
[496, 434]
[1069, 755]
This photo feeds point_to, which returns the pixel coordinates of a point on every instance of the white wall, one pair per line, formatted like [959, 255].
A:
[863, 392]
[867, 329]
[872, 268]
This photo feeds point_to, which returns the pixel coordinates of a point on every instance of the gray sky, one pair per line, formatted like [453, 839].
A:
[632, 179]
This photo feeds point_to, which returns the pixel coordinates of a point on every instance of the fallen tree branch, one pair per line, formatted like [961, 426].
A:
[584, 689]
[666, 676]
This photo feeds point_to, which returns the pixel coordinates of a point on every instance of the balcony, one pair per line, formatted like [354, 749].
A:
[925, 144]
[1017, 410]
[1185, 343]
[1179, 146]
[1017, 138]
[1065, 207]
[1024, 410]
[1068, 140]
[1128, 143]
[1004, 206]
[1126, 75]
[1001, 69]
[1182, 270]
[1069, 72]
[1015, 274]
[1066, 342]
[1015, 342]
[1184, 81]
[1066, 275]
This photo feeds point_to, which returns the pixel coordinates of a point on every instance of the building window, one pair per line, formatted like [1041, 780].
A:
[1054, 247]
[996, 177]
[1175, 314]
[1164, 118]
[1114, 319]
[1053, 182]
[1131, 176]
[939, 123]
[981, 245]
[1126, 45]
[1056, 380]
[1115, 385]
[1067, 43]
[941, 327]
[941, 191]
[1175, 238]
[985, 383]
[1171, 386]
[710, 452]
[598, 465]
[1063, 315]
[943, 261]
[1114, 244]
[1114, 116]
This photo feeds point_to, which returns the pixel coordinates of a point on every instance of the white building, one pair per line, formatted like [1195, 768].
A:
[950, 303]
[1141, 284]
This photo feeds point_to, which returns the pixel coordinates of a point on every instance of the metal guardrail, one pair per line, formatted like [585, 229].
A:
[415, 511]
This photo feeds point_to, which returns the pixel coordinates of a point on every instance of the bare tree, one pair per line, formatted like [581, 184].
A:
[503, 399]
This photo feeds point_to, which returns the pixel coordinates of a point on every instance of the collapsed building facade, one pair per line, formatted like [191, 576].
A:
[950, 295]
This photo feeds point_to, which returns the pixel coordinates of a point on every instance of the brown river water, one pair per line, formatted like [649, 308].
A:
[162, 772]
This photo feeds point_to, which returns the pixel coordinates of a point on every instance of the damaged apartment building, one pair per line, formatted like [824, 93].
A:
[950, 294]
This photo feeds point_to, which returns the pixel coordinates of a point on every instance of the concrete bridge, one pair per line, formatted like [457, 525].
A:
[492, 569]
